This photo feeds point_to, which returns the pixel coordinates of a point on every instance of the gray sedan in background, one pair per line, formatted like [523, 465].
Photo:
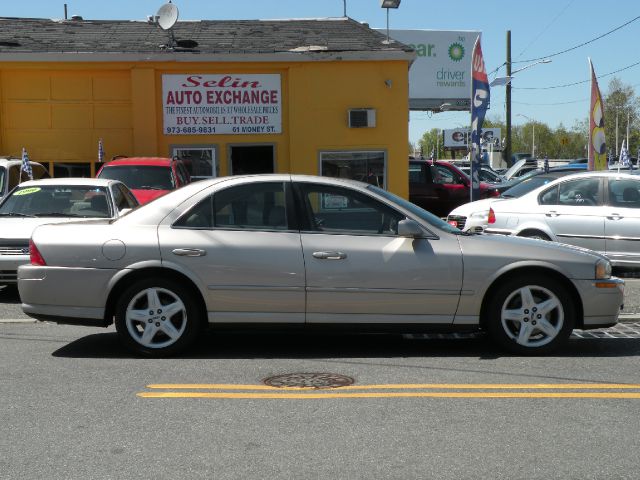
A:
[303, 251]
[595, 210]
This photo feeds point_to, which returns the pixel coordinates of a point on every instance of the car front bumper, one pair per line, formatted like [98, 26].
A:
[602, 301]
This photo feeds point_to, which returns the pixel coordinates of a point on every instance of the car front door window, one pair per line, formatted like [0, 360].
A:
[337, 210]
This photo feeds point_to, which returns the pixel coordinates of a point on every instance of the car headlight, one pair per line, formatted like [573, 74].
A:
[603, 269]
[482, 214]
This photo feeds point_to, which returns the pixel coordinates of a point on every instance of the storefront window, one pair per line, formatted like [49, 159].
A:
[74, 169]
[200, 161]
[369, 167]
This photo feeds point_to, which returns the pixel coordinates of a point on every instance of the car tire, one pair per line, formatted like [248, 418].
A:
[157, 317]
[531, 314]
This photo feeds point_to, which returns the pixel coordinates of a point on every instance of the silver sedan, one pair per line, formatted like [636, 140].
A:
[248, 251]
[595, 210]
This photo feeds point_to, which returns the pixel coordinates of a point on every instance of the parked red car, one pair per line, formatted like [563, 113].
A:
[439, 186]
[147, 177]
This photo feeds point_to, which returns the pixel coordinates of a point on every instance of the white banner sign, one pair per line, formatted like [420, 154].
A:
[440, 78]
[221, 104]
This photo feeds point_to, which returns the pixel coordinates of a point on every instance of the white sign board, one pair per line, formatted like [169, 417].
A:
[221, 104]
[461, 138]
[440, 78]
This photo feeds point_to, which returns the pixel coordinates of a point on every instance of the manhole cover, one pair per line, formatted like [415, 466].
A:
[309, 380]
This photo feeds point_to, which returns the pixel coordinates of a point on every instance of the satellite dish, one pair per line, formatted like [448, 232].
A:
[167, 16]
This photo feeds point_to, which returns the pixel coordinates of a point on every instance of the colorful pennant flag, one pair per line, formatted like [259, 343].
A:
[480, 97]
[26, 166]
[597, 143]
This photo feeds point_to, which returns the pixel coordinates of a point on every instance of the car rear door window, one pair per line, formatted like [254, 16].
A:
[257, 206]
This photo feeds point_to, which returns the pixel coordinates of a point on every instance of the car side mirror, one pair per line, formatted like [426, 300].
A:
[409, 228]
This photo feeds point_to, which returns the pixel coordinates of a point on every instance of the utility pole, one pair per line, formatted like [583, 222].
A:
[507, 147]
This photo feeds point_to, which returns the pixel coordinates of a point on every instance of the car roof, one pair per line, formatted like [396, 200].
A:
[94, 182]
[138, 161]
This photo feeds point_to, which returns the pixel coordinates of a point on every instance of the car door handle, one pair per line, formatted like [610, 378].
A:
[552, 213]
[615, 216]
[330, 255]
[189, 252]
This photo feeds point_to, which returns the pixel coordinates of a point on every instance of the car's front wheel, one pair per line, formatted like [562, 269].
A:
[532, 314]
[157, 317]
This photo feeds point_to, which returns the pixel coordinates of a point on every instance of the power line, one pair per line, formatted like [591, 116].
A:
[581, 45]
[545, 29]
[580, 82]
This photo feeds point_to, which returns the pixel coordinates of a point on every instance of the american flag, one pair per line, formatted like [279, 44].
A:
[100, 151]
[26, 166]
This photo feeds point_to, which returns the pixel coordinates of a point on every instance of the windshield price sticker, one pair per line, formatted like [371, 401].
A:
[221, 104]
[27, 191]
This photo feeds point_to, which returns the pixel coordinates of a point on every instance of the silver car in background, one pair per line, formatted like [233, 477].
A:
[53, 200]
[260, 250]
[595, 210]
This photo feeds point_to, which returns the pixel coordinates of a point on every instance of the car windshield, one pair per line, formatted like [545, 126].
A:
[140, 177]
[428, 217]
[57, 201]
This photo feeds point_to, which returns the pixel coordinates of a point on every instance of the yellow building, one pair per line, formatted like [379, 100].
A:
[325, 96]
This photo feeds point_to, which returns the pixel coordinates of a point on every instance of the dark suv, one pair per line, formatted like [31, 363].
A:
[439, 186]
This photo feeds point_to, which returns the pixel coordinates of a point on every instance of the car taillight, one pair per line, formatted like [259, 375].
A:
[492, 216]
[34, 255]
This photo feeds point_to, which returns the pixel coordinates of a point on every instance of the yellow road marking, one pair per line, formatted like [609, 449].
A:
[400, 386]
[438, 390]
[390, 395]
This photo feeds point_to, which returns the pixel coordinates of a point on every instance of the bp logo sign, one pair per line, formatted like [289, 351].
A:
[456, 52]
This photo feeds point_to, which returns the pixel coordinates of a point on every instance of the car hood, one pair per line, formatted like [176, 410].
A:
[485, 251]
[22, 227]
[145, 196]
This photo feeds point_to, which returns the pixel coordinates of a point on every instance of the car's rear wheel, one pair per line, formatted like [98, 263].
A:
[532, 314]
[157, 317]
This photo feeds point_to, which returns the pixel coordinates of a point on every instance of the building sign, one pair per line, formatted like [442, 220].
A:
[440, 78]
[461, 138]
[221, 104]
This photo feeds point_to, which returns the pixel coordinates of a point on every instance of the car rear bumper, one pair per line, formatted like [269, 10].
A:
[64, 295]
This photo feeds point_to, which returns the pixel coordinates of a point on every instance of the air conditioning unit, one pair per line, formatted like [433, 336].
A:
[362, 118]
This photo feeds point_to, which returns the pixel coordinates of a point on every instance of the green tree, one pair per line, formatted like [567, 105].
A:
[621, 106]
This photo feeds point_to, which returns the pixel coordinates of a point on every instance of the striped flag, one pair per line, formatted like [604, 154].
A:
[100, 151]
[26, 166]
[479, 104]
